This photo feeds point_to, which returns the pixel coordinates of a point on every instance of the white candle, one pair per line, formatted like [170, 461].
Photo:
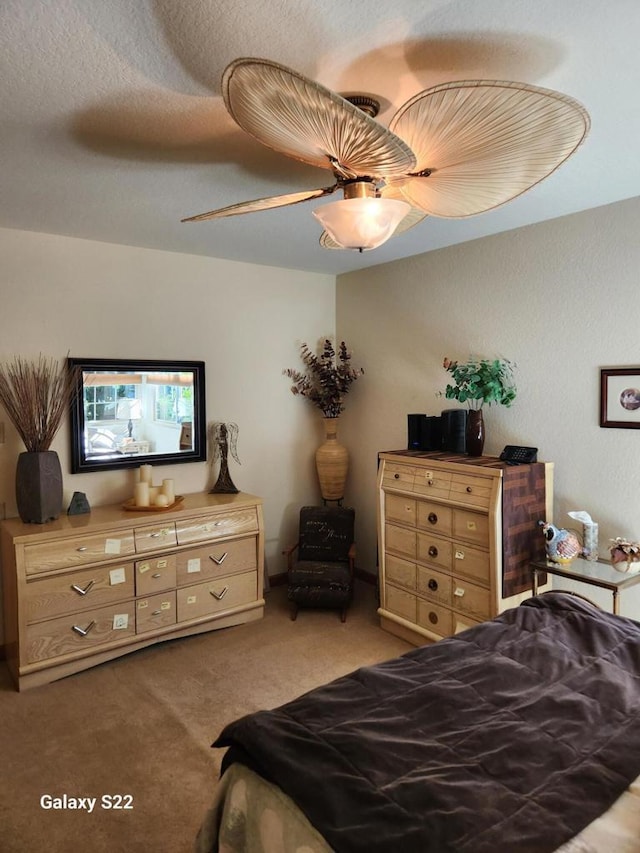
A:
[168, 490]
[145, 474]
[141, 494]
[154, 491]
[161, 500]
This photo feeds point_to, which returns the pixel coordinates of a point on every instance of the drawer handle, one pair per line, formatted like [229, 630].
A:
[397, 476]
[156, 535]
[458, 592]
[433, 618]
[82, 548]
[430, 482]
[219, 595]
[432, 518]
[80, 590]
[156, 612]
[218, 523]
[433, 551]
[469, 489]
[218, 561]
[156, 575]
[83, 631]
[433, 584]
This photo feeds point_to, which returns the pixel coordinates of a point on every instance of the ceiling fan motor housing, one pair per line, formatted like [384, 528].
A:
[366, 103]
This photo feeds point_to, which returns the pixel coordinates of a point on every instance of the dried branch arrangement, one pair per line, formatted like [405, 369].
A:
[36, 396]
[328, 377]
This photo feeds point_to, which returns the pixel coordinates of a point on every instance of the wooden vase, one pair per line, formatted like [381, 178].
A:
[39, 486]
[474, 435]
[332, 463]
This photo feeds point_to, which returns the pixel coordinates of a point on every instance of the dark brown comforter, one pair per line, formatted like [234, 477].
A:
[510, 737]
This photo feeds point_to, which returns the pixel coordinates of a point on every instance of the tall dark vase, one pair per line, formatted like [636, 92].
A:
[475, 432]
[39, 486]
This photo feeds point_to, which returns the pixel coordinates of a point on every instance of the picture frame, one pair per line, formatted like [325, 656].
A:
[620, 397]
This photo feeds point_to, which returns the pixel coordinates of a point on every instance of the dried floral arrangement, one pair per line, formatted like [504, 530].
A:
[327, 379]
[36, 396]
[481, 380]
[624, 551]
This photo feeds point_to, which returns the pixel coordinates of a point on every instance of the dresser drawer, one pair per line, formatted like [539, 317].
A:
[155, 574]
[400, 541]
[400, 572]
[398, 476]
[435, 551]
[78, 551]
[402, 510]
[467, 489]
[207, 599]
[67, 593]
[76, 634]
[472, 526]
[471, 600]
[155, 537]
[471, 563]
[434, 617]
[400, 602]
[156, 611]
[217, 559]
[435, 586]
[216, 526]
[463, 623]
[435, 517]
[437, 484]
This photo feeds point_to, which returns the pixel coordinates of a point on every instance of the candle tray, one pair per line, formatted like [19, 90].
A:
[130, 506]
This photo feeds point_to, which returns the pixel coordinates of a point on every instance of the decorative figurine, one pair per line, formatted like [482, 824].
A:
[625, 555]
[222, 438]
[561, 545]
[79, 504]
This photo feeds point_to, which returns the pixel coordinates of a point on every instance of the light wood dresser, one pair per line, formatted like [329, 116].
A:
[84, 589]
[456, 535]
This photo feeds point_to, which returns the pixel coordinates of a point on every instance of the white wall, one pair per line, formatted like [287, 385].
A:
[562, 300]
[246, 322]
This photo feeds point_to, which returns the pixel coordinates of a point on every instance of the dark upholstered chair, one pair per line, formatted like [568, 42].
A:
[320, 574]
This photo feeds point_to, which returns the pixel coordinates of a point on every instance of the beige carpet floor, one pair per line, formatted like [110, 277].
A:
[142, 726]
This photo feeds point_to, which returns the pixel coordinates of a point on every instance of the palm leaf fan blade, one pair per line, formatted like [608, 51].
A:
[259, 204]
[486, 142]
[302, 119]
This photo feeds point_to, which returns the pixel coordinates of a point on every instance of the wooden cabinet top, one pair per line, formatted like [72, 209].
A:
[493, 466]
[114, 517]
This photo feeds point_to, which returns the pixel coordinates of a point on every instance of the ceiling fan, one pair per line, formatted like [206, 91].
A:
[454, 150]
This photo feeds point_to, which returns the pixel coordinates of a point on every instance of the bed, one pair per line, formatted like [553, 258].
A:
[521, 735]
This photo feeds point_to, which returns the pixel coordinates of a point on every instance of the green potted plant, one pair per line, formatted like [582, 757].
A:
[477, 382]
[325, 383]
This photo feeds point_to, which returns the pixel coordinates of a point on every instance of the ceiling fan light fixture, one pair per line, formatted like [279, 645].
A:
[362, 223]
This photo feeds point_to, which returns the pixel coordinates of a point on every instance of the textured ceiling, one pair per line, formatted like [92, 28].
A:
[113, 127]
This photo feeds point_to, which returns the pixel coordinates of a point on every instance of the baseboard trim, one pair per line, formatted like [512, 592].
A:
[360, 574]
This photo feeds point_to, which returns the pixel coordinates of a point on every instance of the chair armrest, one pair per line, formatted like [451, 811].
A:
[288, 553]
[352, 556]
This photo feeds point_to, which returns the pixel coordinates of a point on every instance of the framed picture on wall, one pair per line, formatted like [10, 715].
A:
[620, 397]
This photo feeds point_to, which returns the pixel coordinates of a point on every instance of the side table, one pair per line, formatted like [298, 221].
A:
[593, 572]
[133, 447]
